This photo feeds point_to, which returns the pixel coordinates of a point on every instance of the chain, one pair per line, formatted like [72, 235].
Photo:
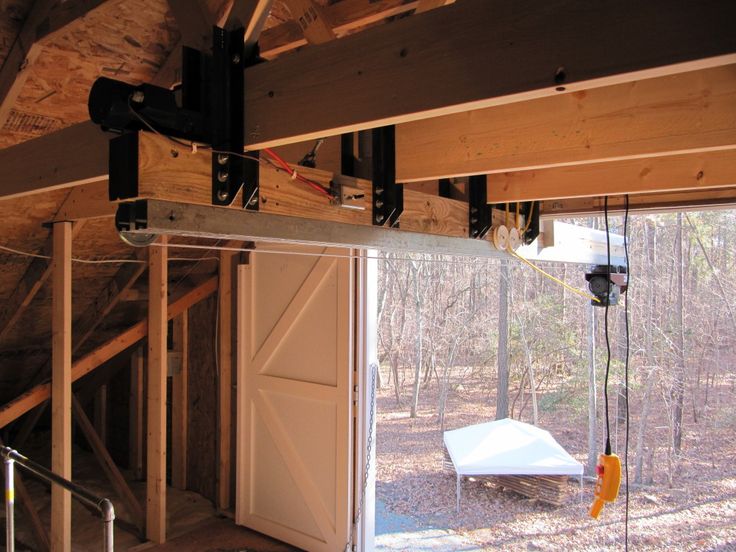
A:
[369, 448]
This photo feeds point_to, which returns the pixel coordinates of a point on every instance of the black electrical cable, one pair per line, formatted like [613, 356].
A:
[605, 320]
[626, 367]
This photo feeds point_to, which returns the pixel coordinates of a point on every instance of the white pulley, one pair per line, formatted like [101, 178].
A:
[500, 237]
[514, 239]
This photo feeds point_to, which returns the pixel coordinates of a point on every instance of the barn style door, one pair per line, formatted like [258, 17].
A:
[295, 370]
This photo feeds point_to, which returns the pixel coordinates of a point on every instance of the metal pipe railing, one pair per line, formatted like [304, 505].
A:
[102, 505]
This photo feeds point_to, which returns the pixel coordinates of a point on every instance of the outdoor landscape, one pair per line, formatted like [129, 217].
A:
[451, 331]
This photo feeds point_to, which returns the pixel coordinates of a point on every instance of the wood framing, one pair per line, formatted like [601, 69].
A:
[179, 402]
[40, 393]
[510, 52]
[36, 275]
[156, 394]
[108, 464]
[54, 161]
[311, 18]
[225, 380]
[61, 385]
[692, 112]
[672, 173]
[135, 415]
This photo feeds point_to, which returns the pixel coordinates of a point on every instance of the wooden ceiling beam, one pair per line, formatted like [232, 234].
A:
[688, 112]
[660, 202]
[692, 171]
[311, 18]
[80, 368]
[509, 52]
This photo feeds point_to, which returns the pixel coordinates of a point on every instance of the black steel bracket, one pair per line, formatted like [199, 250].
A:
[388, 197]
[211, 114]
[479, 212]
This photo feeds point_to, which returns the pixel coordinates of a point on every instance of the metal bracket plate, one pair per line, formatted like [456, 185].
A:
[479, 212]
[388, 197]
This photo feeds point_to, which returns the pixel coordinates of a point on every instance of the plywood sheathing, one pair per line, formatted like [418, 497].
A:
[122, 39]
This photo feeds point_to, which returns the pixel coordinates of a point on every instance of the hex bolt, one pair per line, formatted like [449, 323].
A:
[223, 195]
[222, 176]
[473, 220]
[253, 200]
[379, 191]
[222, 158]
[236, 59]
[379, 219]
[473, 210]
[379, 204]
[137, 97]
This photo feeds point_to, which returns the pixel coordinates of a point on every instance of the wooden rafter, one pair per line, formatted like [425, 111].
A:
[42, 392]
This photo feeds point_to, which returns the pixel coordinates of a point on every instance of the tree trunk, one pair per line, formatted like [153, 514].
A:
[592, 395]
[678, 391]
[502, 387]
[646, 404]
[417, 342]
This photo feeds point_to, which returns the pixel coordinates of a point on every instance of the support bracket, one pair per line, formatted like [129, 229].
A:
[388, 197]
[479, 212]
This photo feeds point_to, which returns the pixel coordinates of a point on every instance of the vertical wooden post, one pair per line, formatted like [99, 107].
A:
[100, 414]
[61, 385]
[156, 399]
[179, 392]
[135, 458]
[225, 298]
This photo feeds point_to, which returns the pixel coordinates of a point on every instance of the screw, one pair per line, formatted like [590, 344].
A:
[236, 59]
[222, 176]
[379, 191]
[222, 158]
[379, 219]
[253, 200]
[138, 96]
[379, 204]
[223, 195]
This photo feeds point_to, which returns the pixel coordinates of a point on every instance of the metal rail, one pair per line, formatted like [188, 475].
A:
[102, 505]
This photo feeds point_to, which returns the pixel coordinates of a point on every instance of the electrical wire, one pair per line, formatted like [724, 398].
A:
[294, 174]
[626, 367]
[548, 275]
[528, 219]
[605, 320]
[97, 261]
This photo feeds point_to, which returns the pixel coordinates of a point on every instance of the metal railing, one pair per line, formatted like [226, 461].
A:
[102, 505]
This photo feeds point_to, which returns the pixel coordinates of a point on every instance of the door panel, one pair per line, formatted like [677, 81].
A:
[295, 365]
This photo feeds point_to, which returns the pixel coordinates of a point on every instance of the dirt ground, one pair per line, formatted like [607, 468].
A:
[696, 512]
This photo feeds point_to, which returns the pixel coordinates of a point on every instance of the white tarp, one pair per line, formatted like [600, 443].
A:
[507, 447]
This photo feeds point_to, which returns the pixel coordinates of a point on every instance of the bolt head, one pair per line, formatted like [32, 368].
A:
[379, 204]
[236, 59]
[222, 158]
[379, 191]
[222, 176]
[223, 195]
[379, 219]
[137, 97]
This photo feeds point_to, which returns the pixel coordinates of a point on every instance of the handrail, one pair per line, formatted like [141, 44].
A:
[103, 505]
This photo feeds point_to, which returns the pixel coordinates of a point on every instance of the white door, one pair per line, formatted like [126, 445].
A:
[295, 370]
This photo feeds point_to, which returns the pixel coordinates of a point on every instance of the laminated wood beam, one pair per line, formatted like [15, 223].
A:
[40, 393]
[510, 52]
[186, 178]
[691, 112]
[716, 169]
[156, 394]
[61, 385]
